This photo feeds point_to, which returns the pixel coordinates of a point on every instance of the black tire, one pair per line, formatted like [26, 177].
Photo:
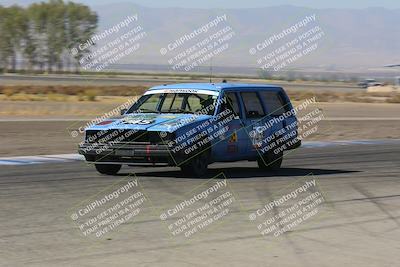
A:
[270, 161]
[109, 169]
[196, 167]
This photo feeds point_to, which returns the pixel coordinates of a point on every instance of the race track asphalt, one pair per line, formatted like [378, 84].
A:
[358, 224]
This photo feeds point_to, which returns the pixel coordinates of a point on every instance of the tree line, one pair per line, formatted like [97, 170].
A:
[40, 37]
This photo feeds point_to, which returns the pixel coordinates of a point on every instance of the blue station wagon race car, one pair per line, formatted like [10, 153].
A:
[194, 125]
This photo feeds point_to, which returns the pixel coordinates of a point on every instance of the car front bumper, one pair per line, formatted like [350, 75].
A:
[128, 153]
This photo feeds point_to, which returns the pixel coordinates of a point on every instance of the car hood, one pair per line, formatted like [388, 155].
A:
[167, 122]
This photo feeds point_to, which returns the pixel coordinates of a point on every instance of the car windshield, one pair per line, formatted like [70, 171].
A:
[175, 103]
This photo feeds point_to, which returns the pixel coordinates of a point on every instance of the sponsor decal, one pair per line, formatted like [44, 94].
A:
[181, 91]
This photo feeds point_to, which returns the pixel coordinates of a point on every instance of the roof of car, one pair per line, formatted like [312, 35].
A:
[211, 86]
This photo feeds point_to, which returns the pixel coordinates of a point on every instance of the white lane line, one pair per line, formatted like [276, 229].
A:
[25, 160]
[42, 120]
[65, 156]
[315, 144]
[13, 162]
[58, 158]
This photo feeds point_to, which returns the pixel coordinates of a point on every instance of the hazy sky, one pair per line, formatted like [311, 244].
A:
[240, 3]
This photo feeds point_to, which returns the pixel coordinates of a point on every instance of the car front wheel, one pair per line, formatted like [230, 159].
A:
[109, 169]
[197, 166]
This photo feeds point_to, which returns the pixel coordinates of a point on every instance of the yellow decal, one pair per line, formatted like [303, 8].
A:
[233, 138]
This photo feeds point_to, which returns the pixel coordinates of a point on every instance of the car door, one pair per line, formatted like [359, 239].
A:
[234, 144]
[277, 105]
[258, 123]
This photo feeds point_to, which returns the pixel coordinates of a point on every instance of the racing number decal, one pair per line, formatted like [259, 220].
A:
[144, 121]
[138, 121]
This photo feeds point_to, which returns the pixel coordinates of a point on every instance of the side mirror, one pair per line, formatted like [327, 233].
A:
[123, 111]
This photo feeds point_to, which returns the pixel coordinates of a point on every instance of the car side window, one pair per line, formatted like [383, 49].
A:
[232, 103]
[252, 105]
[274, 103]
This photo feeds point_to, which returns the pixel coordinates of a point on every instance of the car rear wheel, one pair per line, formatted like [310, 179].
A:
[109, 169]
[270, 161]
[197, 166]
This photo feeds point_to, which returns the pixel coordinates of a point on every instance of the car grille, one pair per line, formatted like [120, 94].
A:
[123, 136]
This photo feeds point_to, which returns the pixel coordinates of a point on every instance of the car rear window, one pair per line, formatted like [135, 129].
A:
[274, 103]
[252, 105]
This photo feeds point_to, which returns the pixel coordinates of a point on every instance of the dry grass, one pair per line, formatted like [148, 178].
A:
[92, 93]
[358, 97]
[87, 91]
[394, 99]
[72, 107]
